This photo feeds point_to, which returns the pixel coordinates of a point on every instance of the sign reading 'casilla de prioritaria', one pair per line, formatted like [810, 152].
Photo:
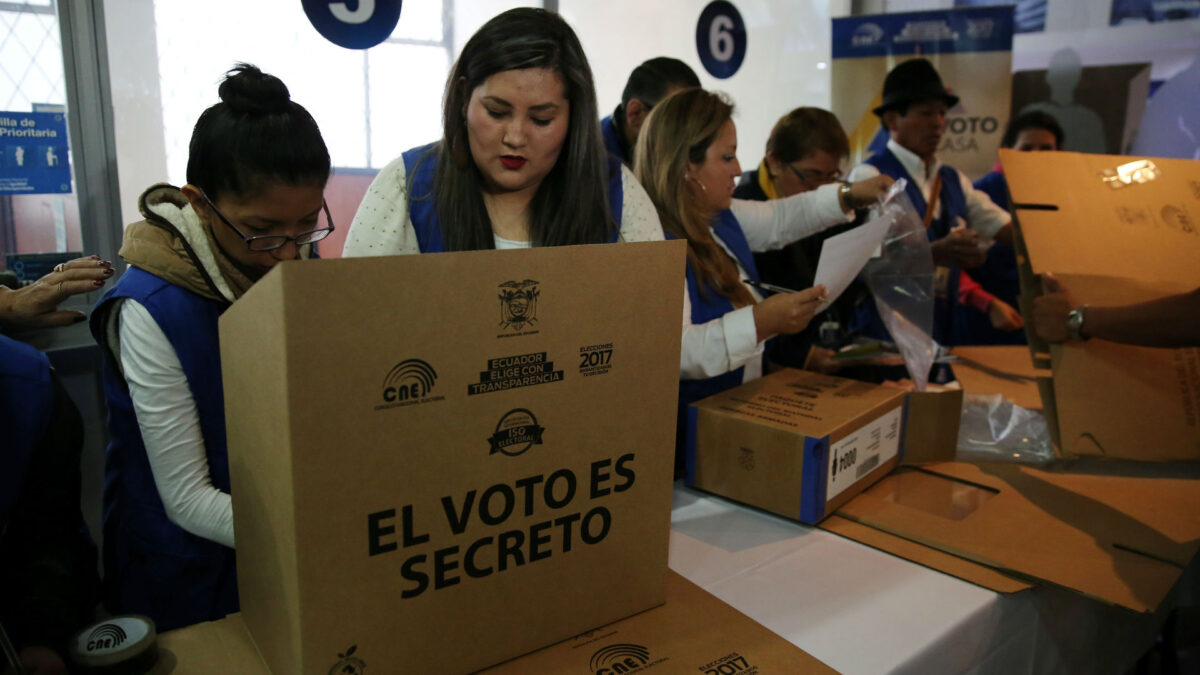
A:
[33, 149]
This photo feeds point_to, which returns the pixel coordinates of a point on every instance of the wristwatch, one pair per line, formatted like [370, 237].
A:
[844, 196]
[1075, 324]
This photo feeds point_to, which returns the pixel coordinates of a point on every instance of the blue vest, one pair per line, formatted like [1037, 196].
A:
[26, 403]
[420, 169]
[706, 307]
[153, 566]
[613, 141]
[954, 206]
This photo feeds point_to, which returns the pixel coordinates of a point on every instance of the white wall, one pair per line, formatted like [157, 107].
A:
[137, 100]
[786, 65]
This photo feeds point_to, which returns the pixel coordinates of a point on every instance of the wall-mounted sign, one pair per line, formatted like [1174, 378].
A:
[721, 39]
[353, 24]
[33, 153]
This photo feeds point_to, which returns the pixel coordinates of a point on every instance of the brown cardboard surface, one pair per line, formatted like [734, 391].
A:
[693, 632]
[750, 440]
[1120, 539]
[931, 426]
[964, 569]
[1141, 231]
[1113, 246]
[372, 402]
[1006, 370]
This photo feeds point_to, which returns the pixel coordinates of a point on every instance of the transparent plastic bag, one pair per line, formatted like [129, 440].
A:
[901, 280]
[993, 428]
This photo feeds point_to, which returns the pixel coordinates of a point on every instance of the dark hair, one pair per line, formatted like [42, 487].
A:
[804, 131]
[571, 204]
[256, 134]
[650, 81]
[1034, 119]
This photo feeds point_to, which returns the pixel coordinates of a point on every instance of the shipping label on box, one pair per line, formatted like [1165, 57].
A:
[795, 443]
[455, 449]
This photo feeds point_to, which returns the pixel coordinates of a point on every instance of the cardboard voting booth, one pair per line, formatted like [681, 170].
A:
[693, 632]
[446, 461]
[1115, 230]
[795, 443]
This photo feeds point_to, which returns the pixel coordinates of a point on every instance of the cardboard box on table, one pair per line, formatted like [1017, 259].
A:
[451, 460]
[693, 632]
[1115, 230]
[794, 442]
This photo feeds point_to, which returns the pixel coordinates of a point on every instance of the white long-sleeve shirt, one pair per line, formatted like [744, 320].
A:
[731, 341]
[170, 426]
[983, 215]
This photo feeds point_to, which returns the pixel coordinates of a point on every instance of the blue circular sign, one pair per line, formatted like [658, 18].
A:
[721, 39]
[353, 24]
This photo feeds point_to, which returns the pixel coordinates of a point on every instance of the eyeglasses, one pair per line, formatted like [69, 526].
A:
[815, 177]
[270, 242]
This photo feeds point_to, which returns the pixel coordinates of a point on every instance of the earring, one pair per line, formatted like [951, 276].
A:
[697, 181]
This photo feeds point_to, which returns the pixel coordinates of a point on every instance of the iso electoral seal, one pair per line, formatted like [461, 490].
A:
[516, 432]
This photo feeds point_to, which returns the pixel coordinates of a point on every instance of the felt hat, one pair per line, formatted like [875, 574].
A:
[913, 81]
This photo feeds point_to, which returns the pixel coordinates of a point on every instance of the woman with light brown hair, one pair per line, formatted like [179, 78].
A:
[687, 161]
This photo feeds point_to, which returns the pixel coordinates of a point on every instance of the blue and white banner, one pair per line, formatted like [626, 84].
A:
[972, 51]
[33, 153]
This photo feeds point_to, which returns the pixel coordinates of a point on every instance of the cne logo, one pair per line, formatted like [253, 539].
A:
[866, 35]
[619, 658]
[518, 304]
[349, 664]
[409, 382]
[106, 636]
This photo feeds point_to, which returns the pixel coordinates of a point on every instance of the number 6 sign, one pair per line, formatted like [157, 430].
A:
[721, 39]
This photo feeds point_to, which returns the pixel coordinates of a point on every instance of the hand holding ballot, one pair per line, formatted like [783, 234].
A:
[786, 313]
[864, 193]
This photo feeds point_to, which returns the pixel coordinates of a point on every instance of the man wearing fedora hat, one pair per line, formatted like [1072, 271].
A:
[960, 220]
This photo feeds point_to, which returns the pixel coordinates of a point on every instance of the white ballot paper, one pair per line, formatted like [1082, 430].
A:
[844, 256]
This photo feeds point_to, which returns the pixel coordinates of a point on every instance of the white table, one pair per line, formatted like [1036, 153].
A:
[864, 611]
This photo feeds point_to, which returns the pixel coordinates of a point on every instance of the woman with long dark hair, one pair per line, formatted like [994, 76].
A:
[256, 174]
[521, 161]
[687, 159]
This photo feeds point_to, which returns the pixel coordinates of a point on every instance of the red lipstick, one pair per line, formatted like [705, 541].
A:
[513, 162]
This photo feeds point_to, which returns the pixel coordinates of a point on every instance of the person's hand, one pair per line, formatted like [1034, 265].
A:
[36, 305]
[1004, 317]
[42, 661]
[866, 192]
[960, 247]
[787, 312]
[1051, 309]
[820, 360]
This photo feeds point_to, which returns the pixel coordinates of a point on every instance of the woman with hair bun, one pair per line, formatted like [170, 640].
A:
[521, 161]
[256, 174]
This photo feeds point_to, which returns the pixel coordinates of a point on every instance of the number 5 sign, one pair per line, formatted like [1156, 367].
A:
[721, 39]
[354, 24]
